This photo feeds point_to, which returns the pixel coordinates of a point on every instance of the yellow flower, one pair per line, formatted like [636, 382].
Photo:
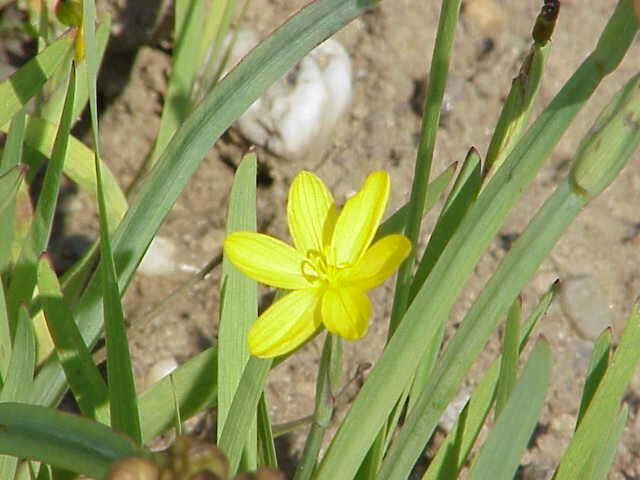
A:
[330, 268]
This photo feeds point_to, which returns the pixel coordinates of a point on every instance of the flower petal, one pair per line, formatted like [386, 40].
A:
[378, 262]
[345, 312]
[266, 260]
[309, 207]
[285, 325]
[360, 218]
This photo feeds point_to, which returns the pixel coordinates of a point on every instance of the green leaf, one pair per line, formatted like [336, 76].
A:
[79, 167]
[83, 376]
[597, 368]
[604, 405]
[20, 87]
[524, 90]
[397, 222]
[60, 439]
[453, 453]
[24, 274]
[184, 65]
[243, 409]
[195, 386]
[266, 449]
[19, 381]
[510, 357]
[10, 179]
[238, 293]
[462, 195]
[9, 183]
[500, 455]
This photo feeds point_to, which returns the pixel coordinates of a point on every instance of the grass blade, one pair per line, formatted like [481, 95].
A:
[238, 293]
[454, 451]
[604, 405]
[19, 380]
[243, 409]
[500, 455]
[195, 387]
[83, 376]
[20, 87]
[597, 368]
[510, 356]
[61, 439]
[24, 274]
[430, 121]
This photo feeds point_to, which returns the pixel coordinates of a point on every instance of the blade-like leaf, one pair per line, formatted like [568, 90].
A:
[238, 293]
[83, 376]
[499, 457]
[20, 87]
[60, 439]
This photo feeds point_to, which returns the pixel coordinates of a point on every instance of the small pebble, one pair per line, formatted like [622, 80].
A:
[297, 115]
[159, 370]
[161, 259]
[585, 305]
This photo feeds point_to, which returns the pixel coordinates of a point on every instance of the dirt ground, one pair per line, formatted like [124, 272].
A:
[390, 49]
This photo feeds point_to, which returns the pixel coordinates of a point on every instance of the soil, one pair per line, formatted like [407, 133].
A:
[390, 48]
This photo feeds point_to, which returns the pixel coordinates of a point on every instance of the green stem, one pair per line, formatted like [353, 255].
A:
[430, 120]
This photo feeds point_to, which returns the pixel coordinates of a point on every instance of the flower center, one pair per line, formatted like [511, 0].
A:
[320, 267]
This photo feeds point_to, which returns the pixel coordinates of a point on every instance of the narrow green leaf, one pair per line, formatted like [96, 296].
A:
[428, 130]
[597, 368]
[17, 387]
[524, 90]
[463, 194]
[243, 409]
[20, 87]
[79, 167]
[454, 451]
[24, 275]
[605, 401]
[184, 64]
[60, 439]
[604, 454]
[195, 387]
[266, 449]
[83, 376]
[5, 338]
[10, 181]
[11, 157]
[238, 293]
[500, 455]
[123, 404]
[510, 356]
[396, 223]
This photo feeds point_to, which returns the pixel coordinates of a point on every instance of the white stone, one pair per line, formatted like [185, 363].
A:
[159, 370]
[298, 114]
[160, 259]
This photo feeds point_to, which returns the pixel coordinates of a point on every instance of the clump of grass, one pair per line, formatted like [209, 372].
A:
[412, 377]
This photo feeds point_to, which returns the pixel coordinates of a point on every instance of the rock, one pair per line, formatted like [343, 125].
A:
[159, 370]
[296, 116]
[586, 307]
[161, 259]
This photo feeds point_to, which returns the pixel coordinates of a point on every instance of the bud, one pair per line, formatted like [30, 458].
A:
[133, 468]
[609, 143]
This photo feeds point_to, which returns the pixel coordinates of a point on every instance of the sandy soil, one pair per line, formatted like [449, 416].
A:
[390, 49]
